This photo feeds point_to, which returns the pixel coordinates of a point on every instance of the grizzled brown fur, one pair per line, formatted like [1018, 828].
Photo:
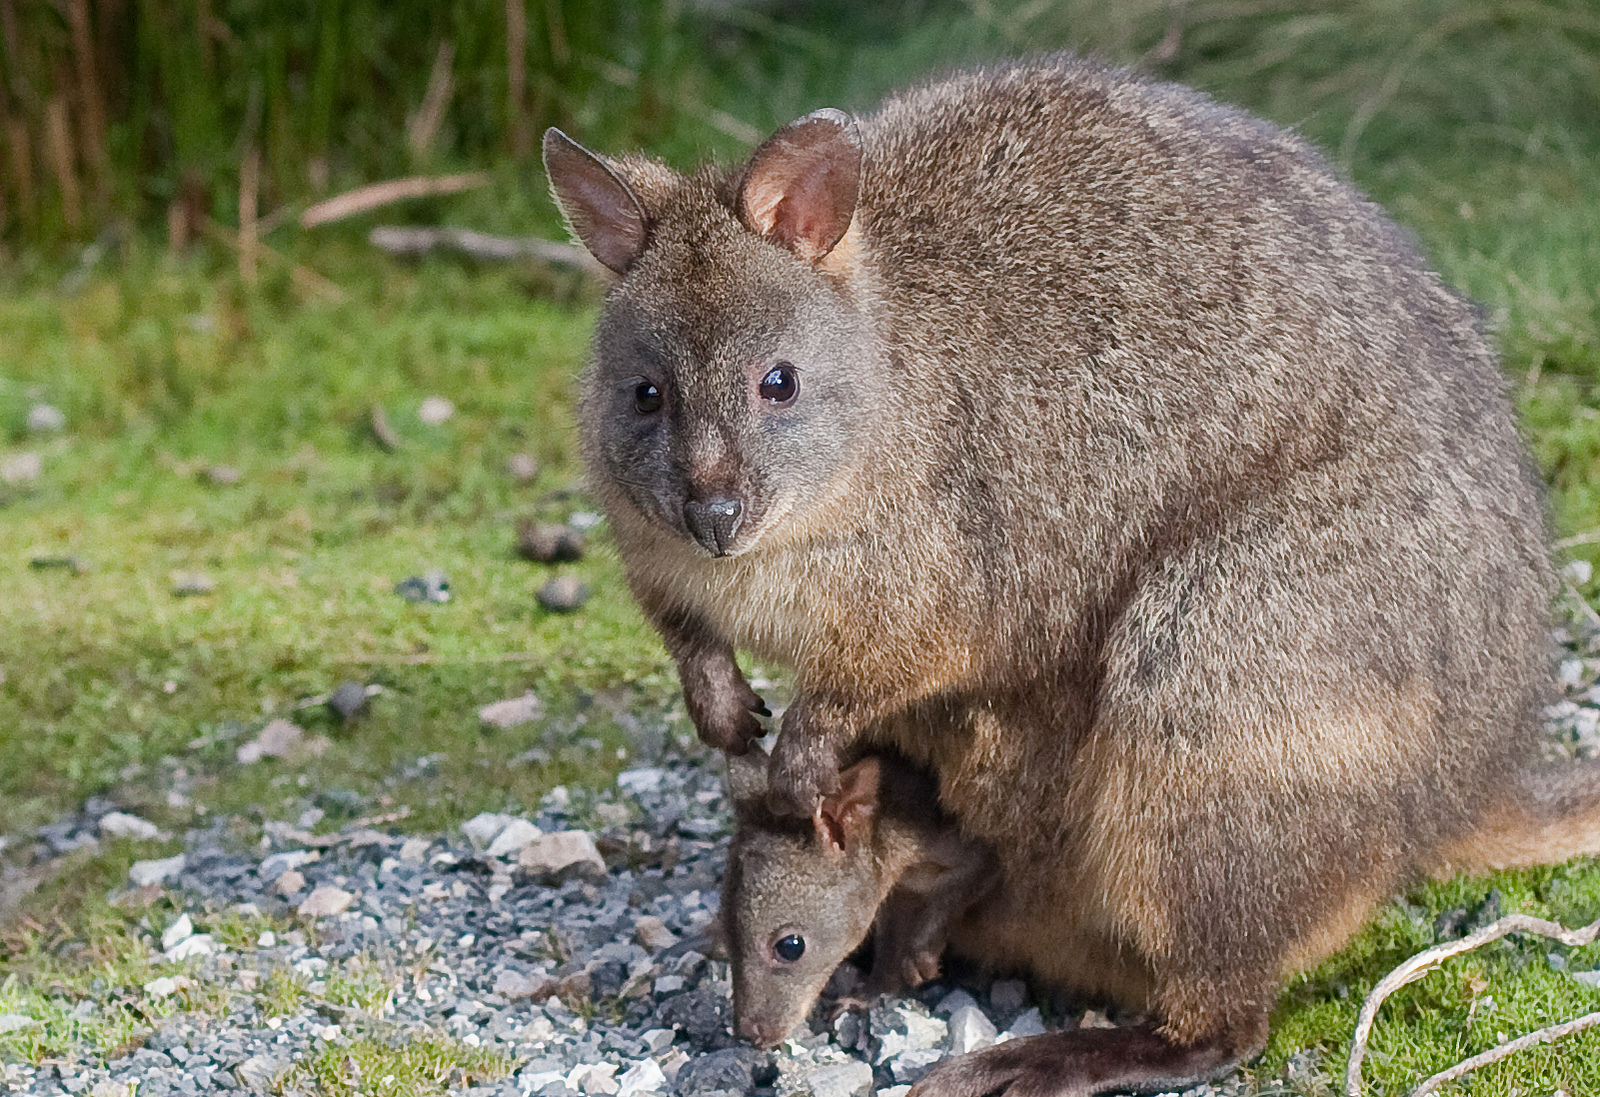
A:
[1096, 446]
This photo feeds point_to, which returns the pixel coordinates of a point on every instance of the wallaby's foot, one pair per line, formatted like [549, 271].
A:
[726, 711]
[1078, 1064]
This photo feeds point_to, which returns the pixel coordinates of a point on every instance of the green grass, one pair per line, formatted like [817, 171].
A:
[1472, 122]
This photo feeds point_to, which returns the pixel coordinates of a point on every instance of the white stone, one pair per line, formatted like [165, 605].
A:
[852, 1079]
[1587, 978]
[643, 1076]
[910, 1066]
[145, 873]
[415, 850]
[905, 1027]
[198, 944]
[594, 1078]
[954, 1001]
[658, 1039]
[485, 827]
[512, 711]
[324, 901]
[16, 1022]
[45, 418]
[177, 931]
[653, 934]
[512, 837]
[105, 1087]
[514, 984]
[635, 782]
[1031, 1023]
[435, 410]
[276, 740]
[166, 986]
[970, 1029]
[562, 852]
[20, 468]
[119, 824]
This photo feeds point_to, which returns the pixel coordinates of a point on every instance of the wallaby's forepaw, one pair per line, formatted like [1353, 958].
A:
[726, 712]
[801, 772]
[921, 967]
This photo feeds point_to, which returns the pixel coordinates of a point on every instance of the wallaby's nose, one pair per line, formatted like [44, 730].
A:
[714, 521]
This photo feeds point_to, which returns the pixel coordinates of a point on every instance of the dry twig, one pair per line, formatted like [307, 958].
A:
[480, 245]
[371, 197]
[305, 279]
[1424, 962]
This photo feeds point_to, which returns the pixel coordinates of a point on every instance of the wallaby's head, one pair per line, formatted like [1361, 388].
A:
[734, 380]
[799, 894]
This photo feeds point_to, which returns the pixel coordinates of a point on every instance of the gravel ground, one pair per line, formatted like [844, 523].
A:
[569, 942]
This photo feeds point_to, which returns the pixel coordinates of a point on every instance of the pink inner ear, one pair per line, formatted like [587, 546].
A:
[601, 208]
[829, 827]
[801, 186]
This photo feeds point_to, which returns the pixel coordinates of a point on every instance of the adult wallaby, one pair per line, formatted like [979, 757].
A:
[1097, 447]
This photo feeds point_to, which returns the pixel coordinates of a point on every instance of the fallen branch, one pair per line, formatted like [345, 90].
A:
[1483, 1059]
[480, 245]
[374, 195]
[1424, 962]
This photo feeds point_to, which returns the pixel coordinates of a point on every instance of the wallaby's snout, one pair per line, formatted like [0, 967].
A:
[759, 1034]
[714, 520]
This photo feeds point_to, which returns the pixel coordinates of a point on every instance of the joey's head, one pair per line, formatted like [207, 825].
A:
[798, 897]
[735, 384]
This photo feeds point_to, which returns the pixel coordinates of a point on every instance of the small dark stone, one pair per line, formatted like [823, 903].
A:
[563, 594]
[432, 587]
[75, 564]
[548, 544]
[340, 802]
[701, 1012]
[732, 1070]
[191, 583]
[349, 700]
[221, 475]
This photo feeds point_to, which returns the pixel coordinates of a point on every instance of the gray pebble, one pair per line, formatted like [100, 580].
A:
[548, 544]
[563, 594]
[349, 700]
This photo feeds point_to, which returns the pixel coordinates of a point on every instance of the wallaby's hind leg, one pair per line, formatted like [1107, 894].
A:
[1084, 1062]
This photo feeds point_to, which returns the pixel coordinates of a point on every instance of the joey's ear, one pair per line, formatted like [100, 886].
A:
[842, 818]
[747, 775]
[601, 209]
[800, 186]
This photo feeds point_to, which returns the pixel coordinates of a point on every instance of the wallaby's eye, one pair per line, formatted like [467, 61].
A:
[789, 949]
[780, 385]
[646, 398]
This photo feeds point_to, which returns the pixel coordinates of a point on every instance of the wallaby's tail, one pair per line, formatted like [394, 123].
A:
[1546, 816]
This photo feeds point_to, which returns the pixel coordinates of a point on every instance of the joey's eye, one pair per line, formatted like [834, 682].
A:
[789, 949]
[646, 398]
[780, 385]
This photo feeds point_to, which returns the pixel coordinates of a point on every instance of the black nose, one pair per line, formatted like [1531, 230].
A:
[714, 521]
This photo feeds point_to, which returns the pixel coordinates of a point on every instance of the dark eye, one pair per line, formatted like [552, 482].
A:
[779, 386]
[646, 397]
[789, 949]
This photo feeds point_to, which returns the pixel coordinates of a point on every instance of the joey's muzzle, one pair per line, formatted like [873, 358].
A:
[714, 521]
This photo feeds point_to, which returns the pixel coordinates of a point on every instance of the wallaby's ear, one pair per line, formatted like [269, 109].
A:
[800, 186]
[842, 818]
[747, 775]
[600, 208]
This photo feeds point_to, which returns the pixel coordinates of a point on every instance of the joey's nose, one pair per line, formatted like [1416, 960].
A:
[756, 1033]
[714, 521]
